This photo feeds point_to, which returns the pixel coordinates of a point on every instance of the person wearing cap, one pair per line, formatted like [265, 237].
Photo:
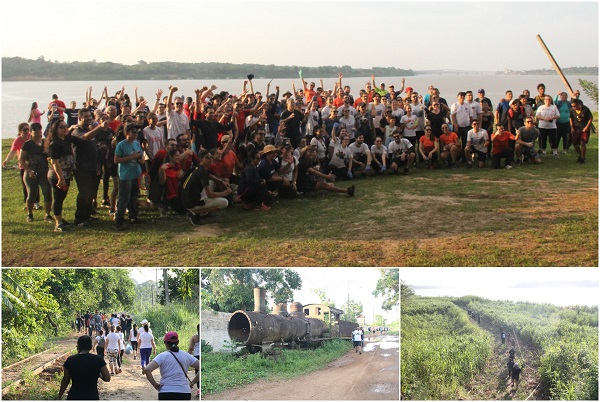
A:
[173, 365]
[198, 194]
[408, 92]
[482, 98]
[145, 341]
[381, 90]
[401, 153]
[269, 167]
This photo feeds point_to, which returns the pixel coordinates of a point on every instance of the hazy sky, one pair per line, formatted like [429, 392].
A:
[561, 286]
[422, 35]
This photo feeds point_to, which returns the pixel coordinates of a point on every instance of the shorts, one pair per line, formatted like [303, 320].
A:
[481, 156]
[356, 343]
[134, 345]
[112, 355]
[580, 136]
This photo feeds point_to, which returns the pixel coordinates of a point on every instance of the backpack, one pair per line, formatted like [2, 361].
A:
[101, 342]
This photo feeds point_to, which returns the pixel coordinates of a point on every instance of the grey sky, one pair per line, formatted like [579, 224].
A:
[423, 35]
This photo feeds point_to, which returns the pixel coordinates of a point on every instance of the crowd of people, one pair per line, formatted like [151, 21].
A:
[197, 155]
[111, 343]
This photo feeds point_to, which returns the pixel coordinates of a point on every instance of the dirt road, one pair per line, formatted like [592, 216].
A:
[372, 375]
[131, 384]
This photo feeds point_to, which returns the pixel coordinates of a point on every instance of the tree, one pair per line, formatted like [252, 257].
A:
[352, 309]
[182, 284]
[406, 291]
[379, 320]
[590, 88]
[388, 286]
[232, 289]
[322, 297]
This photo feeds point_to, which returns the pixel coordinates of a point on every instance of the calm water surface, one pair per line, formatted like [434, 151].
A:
[17, 97]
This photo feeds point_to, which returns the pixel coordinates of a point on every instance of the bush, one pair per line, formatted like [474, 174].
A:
[205, 347]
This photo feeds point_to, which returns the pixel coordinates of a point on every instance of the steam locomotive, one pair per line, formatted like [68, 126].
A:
[304, 326]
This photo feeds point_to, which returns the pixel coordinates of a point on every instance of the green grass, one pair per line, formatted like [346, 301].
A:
[221, 371]
[543, 215]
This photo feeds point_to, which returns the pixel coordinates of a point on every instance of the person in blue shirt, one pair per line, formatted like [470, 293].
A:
[129, 157]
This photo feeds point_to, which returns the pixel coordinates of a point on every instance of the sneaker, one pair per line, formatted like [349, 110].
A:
[351, 190]
[60, 228]
[119, 226]
[143, 370]
[509, 166]
[264, 207]
[49, 219]
[37, 206]
[29, 217]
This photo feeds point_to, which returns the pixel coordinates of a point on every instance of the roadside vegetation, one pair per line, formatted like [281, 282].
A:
[528, 216]
[221, 371]
[441, 349]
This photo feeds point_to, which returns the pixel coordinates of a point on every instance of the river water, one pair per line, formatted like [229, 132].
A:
[17, 97]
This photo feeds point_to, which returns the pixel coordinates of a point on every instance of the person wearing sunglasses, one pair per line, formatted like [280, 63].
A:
[177, 120]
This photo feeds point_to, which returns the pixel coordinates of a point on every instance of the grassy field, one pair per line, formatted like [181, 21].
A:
[544, 215]
[221, 371]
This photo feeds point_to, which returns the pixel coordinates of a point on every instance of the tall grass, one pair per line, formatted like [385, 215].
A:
[177, 317]
[441, 349]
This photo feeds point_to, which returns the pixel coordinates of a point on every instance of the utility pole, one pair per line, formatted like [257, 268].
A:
[166, 283]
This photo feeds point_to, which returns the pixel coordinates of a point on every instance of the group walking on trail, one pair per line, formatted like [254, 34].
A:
[83, 369]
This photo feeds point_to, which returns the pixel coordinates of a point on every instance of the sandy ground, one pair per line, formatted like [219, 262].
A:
[131, 384]
[372, 375]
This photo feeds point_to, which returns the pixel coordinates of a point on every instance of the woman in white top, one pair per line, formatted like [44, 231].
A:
[133, 339]
[113, 345]
[546, 116]
[122, 346]
[173, 364]
[147, 345]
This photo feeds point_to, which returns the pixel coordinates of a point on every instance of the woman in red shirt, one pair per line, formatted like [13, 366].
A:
[429, 148]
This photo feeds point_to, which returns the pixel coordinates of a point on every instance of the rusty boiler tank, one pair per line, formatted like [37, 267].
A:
[259, 328]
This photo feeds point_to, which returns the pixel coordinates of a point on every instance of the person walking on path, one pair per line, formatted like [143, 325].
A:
[147, 345]
[83, 370]
[357, 340]
[133, 338]
[515, 373]
[113, 346]
[173, 365]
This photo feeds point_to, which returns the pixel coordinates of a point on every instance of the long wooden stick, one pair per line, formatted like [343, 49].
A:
[556, 67]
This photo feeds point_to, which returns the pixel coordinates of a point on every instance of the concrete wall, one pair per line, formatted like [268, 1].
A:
[213, 328]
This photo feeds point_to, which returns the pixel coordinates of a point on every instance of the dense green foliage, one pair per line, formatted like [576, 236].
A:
[183, 283]
[232, 289]
[18, 68]
[591, 89]
[567, 338]
[441, 349]
[221, 371]
[388, 286]
[566, 71]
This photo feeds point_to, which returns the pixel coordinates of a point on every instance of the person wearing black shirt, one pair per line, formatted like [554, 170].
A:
[207, 138]
[83, 370]
[292, 118]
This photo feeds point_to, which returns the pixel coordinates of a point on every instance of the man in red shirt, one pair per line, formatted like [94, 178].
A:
[55, 102]
[501, 149]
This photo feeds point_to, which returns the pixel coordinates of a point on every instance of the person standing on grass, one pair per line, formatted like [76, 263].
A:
[146, 342]
[83, 370]
[15, 149]
[113, 346]
[173, 365]
[581, 122]
[129, 156]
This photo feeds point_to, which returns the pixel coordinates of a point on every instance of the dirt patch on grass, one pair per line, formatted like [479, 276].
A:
[208, 230]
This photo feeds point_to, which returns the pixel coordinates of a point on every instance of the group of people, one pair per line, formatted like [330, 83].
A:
[203, 154]
[84, 368]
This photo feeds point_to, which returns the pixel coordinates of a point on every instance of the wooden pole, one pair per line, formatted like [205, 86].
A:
[556, 67]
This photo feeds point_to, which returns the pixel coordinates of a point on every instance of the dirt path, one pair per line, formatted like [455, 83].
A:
[372, 375]
[493, 383]
[131, 384]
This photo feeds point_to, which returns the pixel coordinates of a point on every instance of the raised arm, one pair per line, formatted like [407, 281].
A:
[158, 94]
[137, 99]
[169, 104]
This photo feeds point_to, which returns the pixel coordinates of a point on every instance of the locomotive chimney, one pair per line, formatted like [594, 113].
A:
[259, 300]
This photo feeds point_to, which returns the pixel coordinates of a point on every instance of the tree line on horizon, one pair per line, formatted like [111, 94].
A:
[21, 69]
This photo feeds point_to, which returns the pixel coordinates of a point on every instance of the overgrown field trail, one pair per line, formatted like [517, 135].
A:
[372, 375]
[493, 383]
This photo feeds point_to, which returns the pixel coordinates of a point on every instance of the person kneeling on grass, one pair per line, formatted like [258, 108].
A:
[311, 180]
[402, 153]
[501, 147]
[477, 143]
[197, 191]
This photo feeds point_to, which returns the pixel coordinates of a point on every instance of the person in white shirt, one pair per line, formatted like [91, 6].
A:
[361, 156]
[173, 365]
[402, 153]
[546, 116]
[357, 340]
[477, 143]
[113, 346]
[460, 113]
[146, 343]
